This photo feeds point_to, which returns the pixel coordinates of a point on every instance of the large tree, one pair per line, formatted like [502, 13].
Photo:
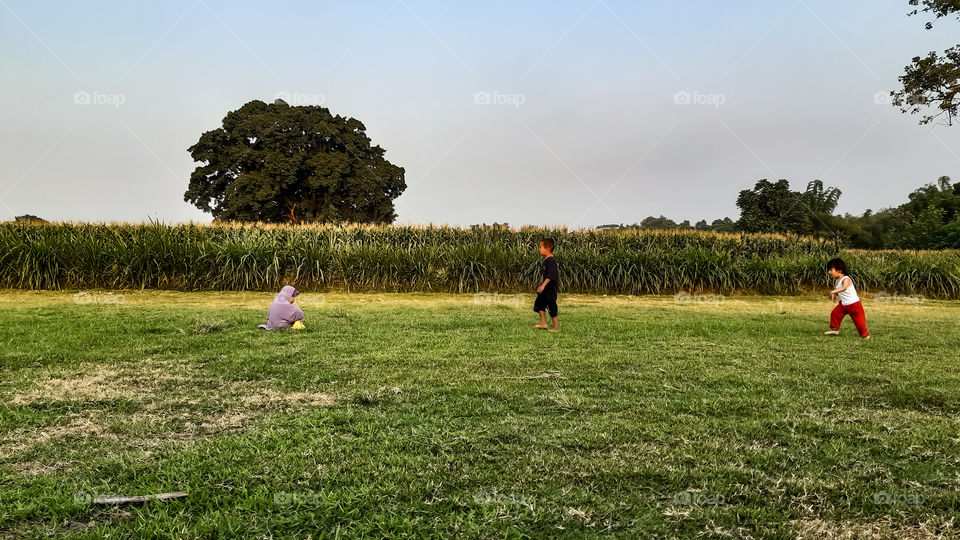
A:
[774, 207]
[279, 163]
[931, 83]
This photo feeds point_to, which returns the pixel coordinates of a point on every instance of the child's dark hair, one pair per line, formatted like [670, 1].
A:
[838, 265]
[547, 243]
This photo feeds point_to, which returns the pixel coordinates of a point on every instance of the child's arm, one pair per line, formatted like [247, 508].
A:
[549, 269]
[842, 287]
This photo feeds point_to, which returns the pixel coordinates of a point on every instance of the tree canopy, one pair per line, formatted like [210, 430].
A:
[931, 83]
[774, 207]
[281, 163]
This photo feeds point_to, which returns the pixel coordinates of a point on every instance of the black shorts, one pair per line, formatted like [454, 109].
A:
[546, 301]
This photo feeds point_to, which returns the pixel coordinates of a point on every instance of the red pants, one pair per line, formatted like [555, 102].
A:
[855, 311]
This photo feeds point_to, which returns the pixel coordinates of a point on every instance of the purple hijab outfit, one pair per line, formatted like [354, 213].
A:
[282, 314]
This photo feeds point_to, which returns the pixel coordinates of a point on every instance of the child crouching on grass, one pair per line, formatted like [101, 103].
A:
[282, 313]
[849, 303]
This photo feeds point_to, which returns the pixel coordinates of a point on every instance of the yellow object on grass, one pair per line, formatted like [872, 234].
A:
[298, 325]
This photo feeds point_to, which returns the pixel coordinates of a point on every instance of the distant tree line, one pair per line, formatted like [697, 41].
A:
[29, 218]
[930, 219]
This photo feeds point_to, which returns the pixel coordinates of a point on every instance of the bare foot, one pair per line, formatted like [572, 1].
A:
[554, 330]
[832, 333]
[540, 326]
[866, 337]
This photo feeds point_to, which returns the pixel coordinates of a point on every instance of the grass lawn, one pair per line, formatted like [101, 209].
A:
[432, 415]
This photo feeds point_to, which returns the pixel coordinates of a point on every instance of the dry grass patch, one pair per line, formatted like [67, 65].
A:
[175, 403]
[885, 529]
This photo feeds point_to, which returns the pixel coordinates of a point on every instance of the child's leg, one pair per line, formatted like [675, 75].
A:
[836, 316]
[539, 308]
[859, 318]
[552, 306]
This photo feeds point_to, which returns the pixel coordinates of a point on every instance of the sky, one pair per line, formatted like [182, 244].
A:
[574, 113]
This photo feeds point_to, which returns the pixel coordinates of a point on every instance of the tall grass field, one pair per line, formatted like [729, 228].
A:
[445, 259]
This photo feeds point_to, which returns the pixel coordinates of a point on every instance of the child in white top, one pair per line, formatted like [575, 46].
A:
[849, 303]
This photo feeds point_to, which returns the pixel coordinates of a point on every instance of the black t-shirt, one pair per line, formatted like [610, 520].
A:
[550, 272]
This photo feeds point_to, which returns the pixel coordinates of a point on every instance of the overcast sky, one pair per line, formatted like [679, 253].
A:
[572, 113]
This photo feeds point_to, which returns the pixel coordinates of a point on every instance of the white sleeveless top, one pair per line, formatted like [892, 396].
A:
[848, 296]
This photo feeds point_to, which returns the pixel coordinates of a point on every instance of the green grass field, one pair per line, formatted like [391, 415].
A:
[433, 415]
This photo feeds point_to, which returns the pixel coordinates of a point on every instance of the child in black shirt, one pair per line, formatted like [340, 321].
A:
[547, 291]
